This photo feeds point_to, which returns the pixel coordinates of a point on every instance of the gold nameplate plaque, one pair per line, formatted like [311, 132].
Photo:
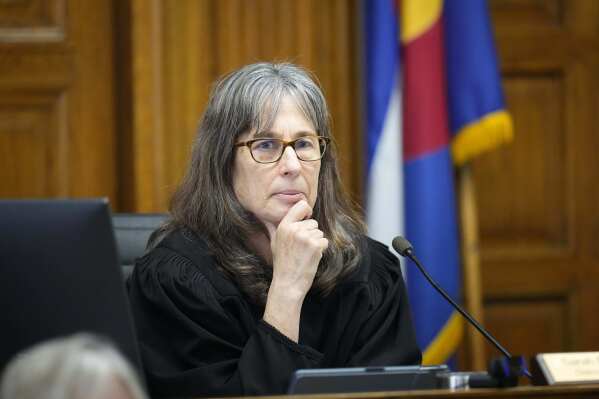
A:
[565, 368]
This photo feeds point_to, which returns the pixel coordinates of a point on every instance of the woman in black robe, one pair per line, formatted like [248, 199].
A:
[264, 266]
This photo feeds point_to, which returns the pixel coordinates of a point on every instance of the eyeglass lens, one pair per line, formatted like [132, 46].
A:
[269, 150]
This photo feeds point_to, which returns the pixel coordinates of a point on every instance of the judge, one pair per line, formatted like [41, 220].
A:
[264, 266]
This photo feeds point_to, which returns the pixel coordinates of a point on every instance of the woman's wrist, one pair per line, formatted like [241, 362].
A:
[283, 309]
[289, 293]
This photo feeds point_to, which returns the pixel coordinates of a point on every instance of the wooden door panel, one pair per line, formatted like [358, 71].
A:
[32, 20]
[515, 321]
[523, 191]
[57, 128]
[33, 144]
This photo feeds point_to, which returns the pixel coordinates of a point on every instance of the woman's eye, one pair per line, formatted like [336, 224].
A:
[304, 143]
[265, 145]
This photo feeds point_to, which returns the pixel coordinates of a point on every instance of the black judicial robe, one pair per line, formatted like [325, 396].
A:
[200, 336]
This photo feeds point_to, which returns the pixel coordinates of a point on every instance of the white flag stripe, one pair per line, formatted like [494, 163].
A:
[385, 204]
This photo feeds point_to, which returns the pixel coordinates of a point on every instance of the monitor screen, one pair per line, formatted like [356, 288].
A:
[60, 275]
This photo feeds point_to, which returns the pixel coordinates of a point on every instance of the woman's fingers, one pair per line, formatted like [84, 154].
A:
[324, 243]
[298, 212]
[308, 224]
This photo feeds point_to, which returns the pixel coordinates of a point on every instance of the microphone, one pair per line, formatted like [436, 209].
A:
[405, 249]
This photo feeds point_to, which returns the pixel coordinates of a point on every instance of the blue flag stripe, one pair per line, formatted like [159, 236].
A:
[431, 226]
[382, 60]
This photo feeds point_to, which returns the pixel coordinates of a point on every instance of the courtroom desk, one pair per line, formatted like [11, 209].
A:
[550, 392]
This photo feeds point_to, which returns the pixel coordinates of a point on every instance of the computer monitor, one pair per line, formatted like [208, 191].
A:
[59, 275]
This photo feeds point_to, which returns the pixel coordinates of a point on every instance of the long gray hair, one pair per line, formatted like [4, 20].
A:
[245, 100]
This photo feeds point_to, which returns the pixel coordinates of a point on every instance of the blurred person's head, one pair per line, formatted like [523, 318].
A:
[79, 366]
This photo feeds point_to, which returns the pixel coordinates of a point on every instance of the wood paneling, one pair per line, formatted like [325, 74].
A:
[535, 214]
[33, 144]
[537, 197]
[527, 14]
[57, 127]
[546, 319]
[32, 21]
[188, 77]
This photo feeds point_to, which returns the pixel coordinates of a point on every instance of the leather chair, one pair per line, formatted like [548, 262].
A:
[131, 231]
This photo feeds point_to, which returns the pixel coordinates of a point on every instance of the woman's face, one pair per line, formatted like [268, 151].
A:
[269, 190]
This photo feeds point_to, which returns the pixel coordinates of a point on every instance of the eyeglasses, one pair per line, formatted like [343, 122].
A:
[269, 150]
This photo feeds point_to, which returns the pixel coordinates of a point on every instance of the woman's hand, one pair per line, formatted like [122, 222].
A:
[297, 246]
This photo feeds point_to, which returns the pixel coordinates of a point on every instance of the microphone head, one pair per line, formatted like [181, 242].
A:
[402, 246]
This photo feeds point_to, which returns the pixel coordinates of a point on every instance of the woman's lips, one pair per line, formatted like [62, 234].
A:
[290, 196]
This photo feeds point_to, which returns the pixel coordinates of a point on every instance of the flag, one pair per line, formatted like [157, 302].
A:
[452, 110]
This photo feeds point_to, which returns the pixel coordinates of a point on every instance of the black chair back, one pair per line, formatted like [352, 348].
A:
[131, 231]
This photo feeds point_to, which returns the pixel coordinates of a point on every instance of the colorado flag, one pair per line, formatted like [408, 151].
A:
[440, 106]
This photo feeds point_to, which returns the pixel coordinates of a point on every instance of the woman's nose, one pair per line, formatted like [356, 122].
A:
[289, 162]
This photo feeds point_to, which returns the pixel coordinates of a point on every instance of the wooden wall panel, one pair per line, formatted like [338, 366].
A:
[37, 20]
[528, 14]
[33, 144]
[533, 211]
[188, 76]
[546, 319]
[197, 42]
[57, 128]
[537, 203]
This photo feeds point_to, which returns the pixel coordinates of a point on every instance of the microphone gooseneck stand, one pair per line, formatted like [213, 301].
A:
[505, 371]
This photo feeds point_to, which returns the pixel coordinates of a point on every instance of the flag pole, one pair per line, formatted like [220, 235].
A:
[471, 264]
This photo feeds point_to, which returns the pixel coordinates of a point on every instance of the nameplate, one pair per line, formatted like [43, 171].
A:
[565, 368]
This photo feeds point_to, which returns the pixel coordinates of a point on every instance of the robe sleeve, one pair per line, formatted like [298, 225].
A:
[386, 336]
[195, 341]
